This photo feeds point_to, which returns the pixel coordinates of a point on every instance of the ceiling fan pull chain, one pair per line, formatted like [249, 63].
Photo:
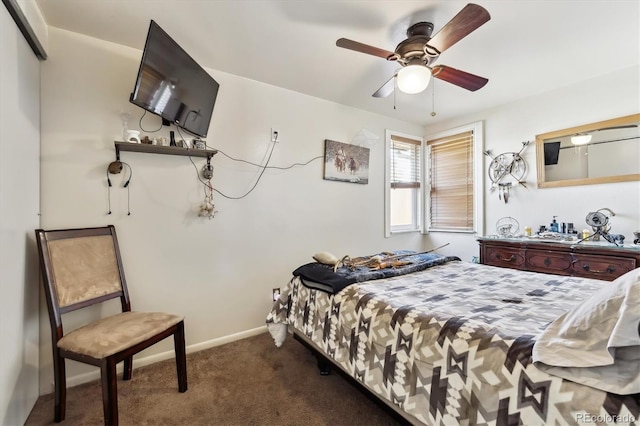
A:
[395, 83]
[433, 99]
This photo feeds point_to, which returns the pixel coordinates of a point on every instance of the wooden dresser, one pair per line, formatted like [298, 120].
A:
[603, 262]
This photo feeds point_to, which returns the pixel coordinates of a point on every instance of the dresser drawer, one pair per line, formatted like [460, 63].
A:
[552, 262]
[581, 260]
[505, 257]
[601, 267]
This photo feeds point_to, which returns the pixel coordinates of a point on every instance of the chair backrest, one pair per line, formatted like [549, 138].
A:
[80, 267]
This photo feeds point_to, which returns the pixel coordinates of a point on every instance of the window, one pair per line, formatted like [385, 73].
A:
[454, 175]
[403, 187]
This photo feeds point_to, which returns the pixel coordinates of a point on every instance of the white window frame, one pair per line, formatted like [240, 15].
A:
[418, 200]
[478, 166]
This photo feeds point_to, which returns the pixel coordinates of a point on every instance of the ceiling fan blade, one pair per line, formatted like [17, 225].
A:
[364, 48]
[628, 126]
[470, 18]
[459, 78]
[386, 88]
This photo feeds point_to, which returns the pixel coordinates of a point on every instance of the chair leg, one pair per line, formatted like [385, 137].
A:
[128, 368]
[109, 391]
[181, 357]
[60, 386]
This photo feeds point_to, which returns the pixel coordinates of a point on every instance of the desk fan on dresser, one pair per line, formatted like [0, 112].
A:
[599, 222]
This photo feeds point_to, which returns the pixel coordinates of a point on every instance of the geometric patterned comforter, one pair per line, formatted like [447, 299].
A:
[452, 344]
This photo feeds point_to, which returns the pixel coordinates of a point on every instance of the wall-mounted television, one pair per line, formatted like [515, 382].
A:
[551, 153]
[172, 85]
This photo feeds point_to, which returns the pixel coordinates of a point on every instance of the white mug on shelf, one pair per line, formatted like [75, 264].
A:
[132, 136]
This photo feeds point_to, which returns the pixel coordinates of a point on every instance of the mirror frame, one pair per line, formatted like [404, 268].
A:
[620, 121]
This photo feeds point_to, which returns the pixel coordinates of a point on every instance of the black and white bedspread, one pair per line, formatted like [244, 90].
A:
[452, 344]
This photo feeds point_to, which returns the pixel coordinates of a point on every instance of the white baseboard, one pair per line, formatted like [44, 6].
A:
[151, 359]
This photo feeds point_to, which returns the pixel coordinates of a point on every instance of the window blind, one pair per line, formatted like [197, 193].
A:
[451, 177]
[405, 162]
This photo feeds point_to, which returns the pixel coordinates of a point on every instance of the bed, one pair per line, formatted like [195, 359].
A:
[462, 343]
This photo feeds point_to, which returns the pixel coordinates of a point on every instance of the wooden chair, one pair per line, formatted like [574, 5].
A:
[83, 267]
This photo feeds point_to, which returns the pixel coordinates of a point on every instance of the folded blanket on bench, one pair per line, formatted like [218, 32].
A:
[321, 277]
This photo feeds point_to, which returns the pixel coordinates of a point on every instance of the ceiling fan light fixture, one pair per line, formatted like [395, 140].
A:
[581, 139]
[413, 79]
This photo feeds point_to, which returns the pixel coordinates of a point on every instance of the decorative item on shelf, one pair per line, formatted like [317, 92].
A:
[132, 136]
[199, 144]
[636, 234]
[617, 239]
[507, 227]
[145, 140]
[505, 170]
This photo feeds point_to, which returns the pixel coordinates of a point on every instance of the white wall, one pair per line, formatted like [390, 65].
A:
[609, 96]
[19, 205]
[219, 272]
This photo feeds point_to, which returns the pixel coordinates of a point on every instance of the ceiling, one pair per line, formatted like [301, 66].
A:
[528, 47]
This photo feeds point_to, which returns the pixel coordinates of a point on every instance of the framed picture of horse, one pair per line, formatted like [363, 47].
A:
[346, 163]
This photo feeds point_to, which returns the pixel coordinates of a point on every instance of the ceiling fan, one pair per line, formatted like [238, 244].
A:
[419, 51]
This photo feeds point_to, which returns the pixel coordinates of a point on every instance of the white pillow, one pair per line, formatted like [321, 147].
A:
[596, 342]
[325, 258]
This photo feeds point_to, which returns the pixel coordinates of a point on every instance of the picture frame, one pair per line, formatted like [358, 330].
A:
[345, 162]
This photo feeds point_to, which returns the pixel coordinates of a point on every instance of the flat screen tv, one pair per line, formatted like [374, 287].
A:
[551, 153]
[172, 85]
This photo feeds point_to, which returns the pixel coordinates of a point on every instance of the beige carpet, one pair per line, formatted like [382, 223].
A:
[247, 382]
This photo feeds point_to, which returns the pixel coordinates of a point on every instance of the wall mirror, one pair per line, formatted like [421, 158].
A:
[603, 152]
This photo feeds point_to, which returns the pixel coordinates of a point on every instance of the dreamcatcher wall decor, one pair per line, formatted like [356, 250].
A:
[506, 170]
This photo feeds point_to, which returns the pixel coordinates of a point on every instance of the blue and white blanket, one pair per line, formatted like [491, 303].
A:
[322, 277]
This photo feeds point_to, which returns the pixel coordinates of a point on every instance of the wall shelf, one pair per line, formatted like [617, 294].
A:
[167, 150]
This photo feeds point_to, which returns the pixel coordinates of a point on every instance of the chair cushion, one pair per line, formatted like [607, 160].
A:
[113, 334]
[84, 268]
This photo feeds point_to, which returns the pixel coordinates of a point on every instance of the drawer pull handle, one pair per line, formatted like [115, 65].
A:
[610, 269]
[510, 259]
[547, 262]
